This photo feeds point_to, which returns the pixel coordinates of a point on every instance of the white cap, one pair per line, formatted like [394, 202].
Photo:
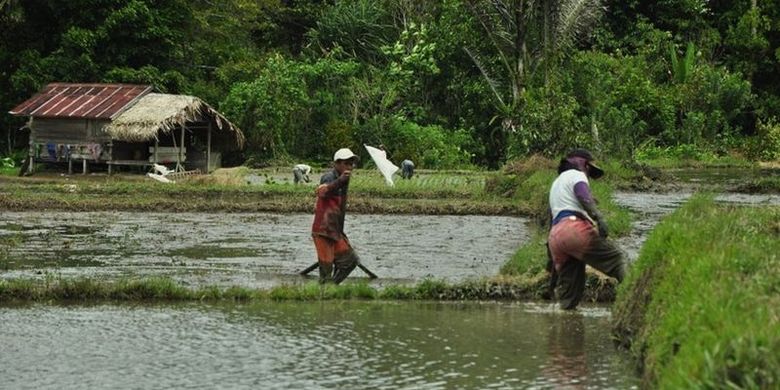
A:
[344, 154]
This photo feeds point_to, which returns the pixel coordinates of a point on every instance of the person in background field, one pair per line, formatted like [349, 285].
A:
[578, 235]
[335, 255]
[301, 173]
[407, 169]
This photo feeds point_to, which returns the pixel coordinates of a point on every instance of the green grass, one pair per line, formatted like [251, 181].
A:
[687, 156]
[166, 289]
[701, 307]
[8, 171]
[530, 259]
[429, 192]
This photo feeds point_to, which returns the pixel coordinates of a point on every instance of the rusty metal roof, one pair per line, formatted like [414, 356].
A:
[94, 101]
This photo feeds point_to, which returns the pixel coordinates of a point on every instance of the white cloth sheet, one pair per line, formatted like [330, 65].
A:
[382, 163]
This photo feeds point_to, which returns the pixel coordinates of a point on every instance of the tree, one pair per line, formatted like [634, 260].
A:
[357, 28]
[525, 35]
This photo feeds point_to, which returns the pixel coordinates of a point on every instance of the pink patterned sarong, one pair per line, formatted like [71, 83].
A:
[570, 238]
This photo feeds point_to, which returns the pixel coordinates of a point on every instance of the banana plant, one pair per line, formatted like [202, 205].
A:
[682, 68]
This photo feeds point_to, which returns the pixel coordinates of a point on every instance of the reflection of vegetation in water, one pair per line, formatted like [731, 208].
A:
[53, 258]
[699, 307]
[8, 242]
[130, 239]
[206, 251]
[78, 230]
[53, 248]
[762, 185]
[14, 227]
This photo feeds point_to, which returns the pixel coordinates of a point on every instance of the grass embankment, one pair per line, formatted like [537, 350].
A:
[430, 192]
[701, 306]
[764, 185]
[663, 168]
[166, 289]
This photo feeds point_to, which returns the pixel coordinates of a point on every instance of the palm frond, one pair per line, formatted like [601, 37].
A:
[574, 19]
[482, 69]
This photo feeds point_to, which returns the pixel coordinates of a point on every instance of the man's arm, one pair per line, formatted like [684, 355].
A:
[330, 182]
[583, 194]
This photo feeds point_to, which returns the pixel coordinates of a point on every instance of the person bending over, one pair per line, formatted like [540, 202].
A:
[407, 169]
[578, 235]
[301, 173]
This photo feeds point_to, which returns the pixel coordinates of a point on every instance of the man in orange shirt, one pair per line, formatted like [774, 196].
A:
[335, 255]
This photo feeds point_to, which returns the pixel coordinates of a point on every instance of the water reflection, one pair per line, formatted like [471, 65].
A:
[383, 345]
[566, 366]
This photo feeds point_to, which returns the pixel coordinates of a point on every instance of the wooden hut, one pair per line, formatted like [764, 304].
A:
[125, 125]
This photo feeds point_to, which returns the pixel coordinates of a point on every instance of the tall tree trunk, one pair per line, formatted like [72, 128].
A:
[546, 40]
[753, 28]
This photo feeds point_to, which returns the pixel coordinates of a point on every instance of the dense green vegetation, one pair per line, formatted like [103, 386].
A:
[454, 83]
[699, 308]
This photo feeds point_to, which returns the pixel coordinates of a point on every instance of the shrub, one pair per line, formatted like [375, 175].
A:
[768, 140]
[430, 147]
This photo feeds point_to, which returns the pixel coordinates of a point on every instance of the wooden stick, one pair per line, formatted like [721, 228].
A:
[309, 269]
[361, 266]
[369, 273]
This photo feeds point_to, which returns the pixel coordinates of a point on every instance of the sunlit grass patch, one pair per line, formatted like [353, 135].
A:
[8, 171]
[529, 259]
[153, 288]
[423, 184]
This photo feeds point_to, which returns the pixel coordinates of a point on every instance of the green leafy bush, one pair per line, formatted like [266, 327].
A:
[768, 140]
[430, 147]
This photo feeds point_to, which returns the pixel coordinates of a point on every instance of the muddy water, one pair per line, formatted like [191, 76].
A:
[252, 250]
[649, 208]
[338, 345]
[263, 250]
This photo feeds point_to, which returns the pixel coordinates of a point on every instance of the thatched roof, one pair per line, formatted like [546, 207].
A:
[157, 113]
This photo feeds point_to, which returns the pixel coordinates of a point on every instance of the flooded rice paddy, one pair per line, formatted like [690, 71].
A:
[331, 344]
[315, 345]
[251, 250]
[260, 250]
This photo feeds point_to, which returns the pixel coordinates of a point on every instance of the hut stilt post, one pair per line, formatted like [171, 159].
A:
[208, 149]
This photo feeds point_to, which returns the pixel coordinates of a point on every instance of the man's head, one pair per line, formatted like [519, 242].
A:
[344, 160]
[581, 159]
